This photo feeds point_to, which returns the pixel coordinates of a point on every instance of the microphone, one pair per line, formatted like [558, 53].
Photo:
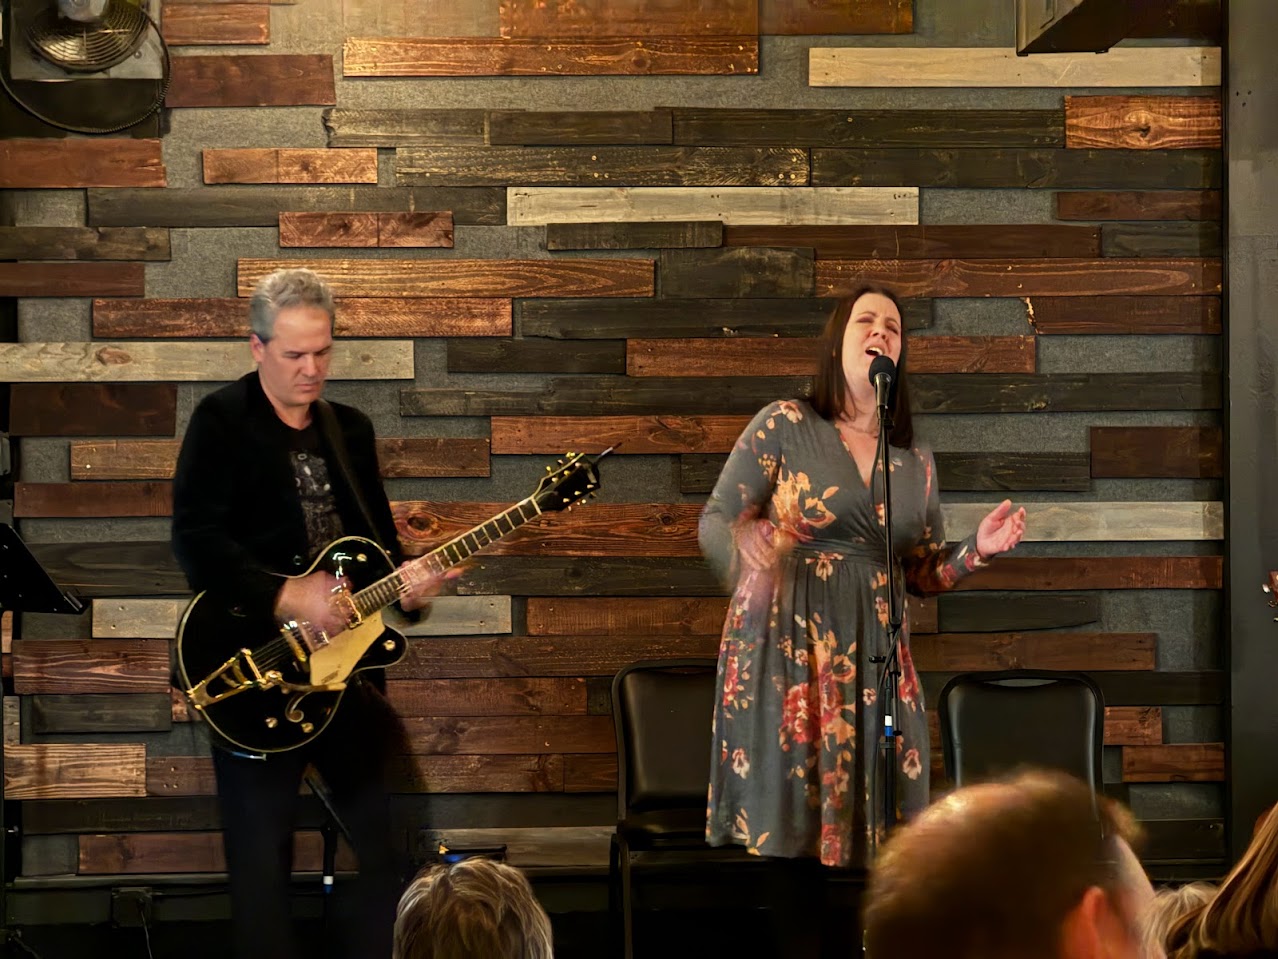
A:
[883, 376]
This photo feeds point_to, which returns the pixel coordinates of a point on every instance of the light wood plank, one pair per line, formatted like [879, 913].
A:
[399, 457]
[74, 771]
[1000, 67]
[1141, 276]
[366, 229]
[797, 357]
[565, 56]
[206, 362]
[80, 162]
[1106, 522]
[486, 278]
[545, 19]
[408, 317]
[12, 721]
[1174, 762]
[1143, 123]
[136, 618]
[290, 166]
[539, 846]
[538, 206]
[199, 24]
[636, 434]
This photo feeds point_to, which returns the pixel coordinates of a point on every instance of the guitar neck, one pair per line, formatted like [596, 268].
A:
[386, 590]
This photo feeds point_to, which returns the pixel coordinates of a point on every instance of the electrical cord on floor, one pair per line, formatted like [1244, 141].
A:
[146, 928]
[14, 938]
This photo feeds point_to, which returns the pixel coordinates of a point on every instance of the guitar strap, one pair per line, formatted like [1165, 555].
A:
[332, 432]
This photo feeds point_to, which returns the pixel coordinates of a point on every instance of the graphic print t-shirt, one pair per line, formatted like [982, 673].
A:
[314, 489]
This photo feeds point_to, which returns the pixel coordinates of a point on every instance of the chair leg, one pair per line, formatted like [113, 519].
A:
[614, 888]
[627, 902]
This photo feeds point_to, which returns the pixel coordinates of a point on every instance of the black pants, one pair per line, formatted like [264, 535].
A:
[258, 800]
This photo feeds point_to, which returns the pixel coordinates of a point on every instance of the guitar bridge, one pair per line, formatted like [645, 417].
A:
[237, 674]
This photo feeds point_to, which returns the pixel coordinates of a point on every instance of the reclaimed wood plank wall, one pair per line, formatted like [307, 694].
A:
[642, 256]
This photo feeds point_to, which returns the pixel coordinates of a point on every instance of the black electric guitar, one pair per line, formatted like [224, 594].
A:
[276, 693]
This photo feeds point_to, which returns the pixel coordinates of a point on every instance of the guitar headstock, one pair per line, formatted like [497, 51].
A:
[571, 480]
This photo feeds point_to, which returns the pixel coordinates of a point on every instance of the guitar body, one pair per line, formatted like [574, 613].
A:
[213, 632]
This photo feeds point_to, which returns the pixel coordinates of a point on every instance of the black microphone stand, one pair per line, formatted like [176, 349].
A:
[890, 663]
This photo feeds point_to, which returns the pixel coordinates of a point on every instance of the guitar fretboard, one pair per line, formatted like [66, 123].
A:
[387, 589]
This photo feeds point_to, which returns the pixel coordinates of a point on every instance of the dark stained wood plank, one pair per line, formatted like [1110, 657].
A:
[72, 279]
[80, 162]
[736, 272]
[399, 458]
[1013, 471]
[979, 613]
[612, 18]
[83, 243]
[1143, 122]
[1132, 687]
[395, 128]
[1037, 650]
[927, 242]
[797, 357]
[957, 471]
[508, 735]
[290, 166]
[545, 655]
[188, 852]
[261, 206]
[876, 129]
[620, 616]
[636, 236]
[636, 434]
[616, 396]
[600, 529]
[153, 814]
[92, 409]
[180, 776]
[487, 278]
[1124, 314]
[103, 713]
[99, 499]
[1179, 840]
[536, 356]
[465, 166]
[1183, 19]
[198, 24]
[1039, 169]
[1139, 205]
[381, 317]
[813, 17]
[560, 696]
[569, 127]
[653, 318]
[1161, 239]
[611, 56]
[1098, 572]
[586, 773]
[1174, 762]
[478, 774]
[1023, 277]
[113, 568]
[90, 666]
[73, 771]
[596, 576]
[1194, 452]
[366, 229]
[259, 80]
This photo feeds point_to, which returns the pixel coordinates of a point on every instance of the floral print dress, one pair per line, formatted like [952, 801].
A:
[794, 720]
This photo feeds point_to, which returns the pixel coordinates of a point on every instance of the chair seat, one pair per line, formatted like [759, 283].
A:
[664, 827]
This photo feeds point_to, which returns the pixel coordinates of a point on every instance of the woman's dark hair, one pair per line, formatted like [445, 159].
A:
[830, 386]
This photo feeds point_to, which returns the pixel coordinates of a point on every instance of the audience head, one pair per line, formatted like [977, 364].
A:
[1035, 867]
[474, 909]
[1168, 907]
[1242, 918]
[284, 289]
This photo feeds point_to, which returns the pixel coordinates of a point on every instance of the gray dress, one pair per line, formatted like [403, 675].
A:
[794, 720]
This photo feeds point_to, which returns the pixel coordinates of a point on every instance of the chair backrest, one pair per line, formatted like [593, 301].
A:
[662, 712]
[994, 723]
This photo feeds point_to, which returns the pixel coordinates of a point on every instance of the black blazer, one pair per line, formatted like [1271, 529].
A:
[237, 520]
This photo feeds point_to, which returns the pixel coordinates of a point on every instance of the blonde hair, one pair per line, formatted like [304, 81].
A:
[1168, 907]
[1242, 918]
[474, 909]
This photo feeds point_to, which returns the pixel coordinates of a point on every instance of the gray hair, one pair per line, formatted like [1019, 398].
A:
[282, 289]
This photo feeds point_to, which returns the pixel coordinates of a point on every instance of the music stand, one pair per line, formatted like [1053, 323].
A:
[25, 587]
